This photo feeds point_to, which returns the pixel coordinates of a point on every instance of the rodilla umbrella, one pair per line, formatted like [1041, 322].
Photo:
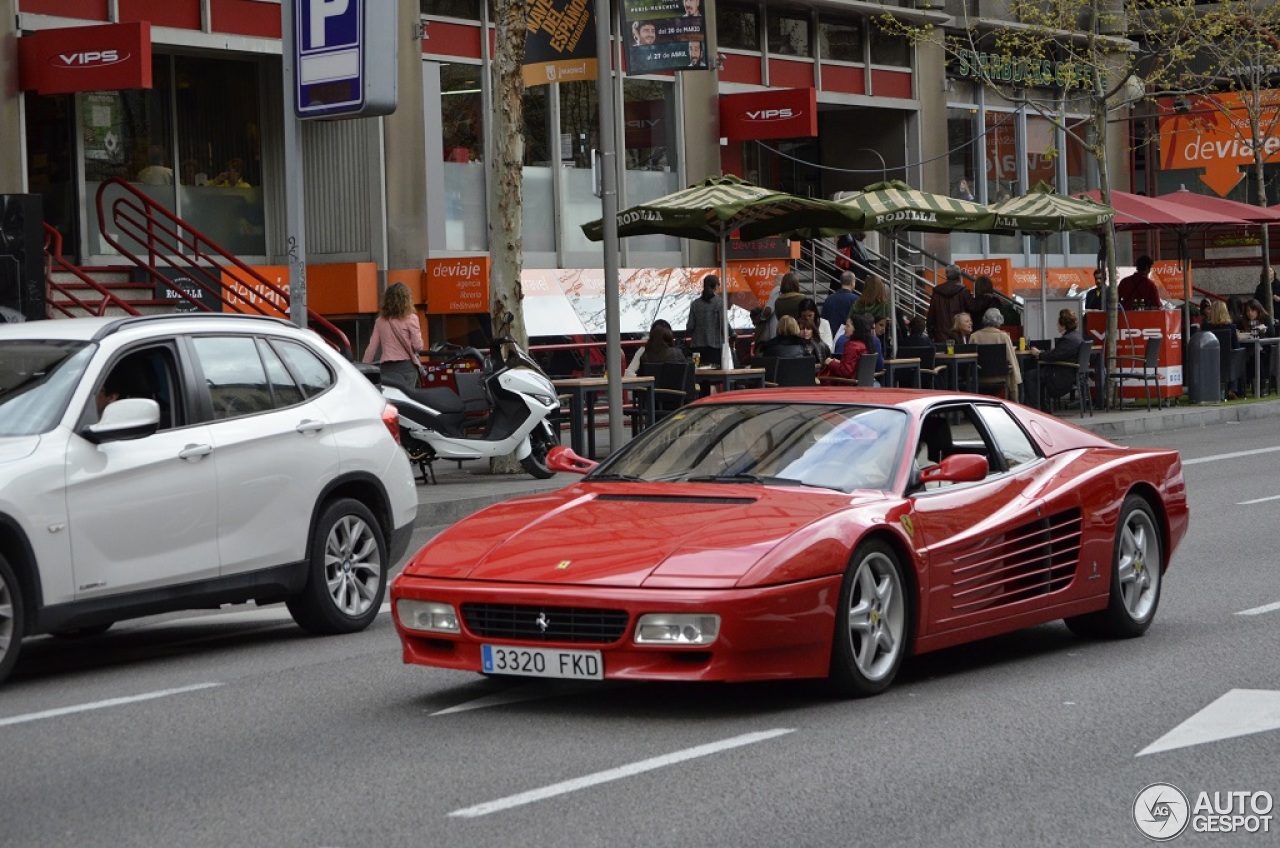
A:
[712, 209]
[895, 207]
[1042, 211]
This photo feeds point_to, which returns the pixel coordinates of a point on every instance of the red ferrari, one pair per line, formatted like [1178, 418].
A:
[801, 533]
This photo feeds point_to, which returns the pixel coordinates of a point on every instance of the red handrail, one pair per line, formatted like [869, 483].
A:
[54, 258]
[171, 241]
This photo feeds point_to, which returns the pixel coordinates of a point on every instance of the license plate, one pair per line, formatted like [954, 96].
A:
[542, 662]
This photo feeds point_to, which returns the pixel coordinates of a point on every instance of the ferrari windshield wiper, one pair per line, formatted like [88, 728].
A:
[725, 478]
[626, 478]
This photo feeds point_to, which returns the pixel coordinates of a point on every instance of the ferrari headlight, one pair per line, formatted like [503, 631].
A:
[427, 616]
[677, 629]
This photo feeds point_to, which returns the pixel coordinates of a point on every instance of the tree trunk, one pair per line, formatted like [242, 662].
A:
[505, 171]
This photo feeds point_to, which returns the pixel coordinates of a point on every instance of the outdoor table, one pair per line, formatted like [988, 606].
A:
[908, 367]
[1257, 346]
[1026, 360]
[582, 392]
[728, 379]
[956, 361]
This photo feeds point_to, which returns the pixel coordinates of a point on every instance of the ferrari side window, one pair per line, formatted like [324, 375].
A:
[1012, 443]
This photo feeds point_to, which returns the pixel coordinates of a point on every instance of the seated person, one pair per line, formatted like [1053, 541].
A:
[992, 334]
[1045, 384]
[788, 342]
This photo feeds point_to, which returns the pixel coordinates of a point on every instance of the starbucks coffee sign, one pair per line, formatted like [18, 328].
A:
[1023, 70]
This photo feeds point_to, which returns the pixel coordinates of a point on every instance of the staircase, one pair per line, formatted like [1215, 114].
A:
[160, 245]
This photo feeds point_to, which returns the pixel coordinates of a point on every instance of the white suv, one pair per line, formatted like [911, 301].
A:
[187, 461]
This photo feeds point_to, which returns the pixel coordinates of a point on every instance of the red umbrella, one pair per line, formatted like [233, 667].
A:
[1139, 212]
[1222, 206]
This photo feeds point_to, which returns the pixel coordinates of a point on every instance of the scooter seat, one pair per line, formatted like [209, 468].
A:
[442, 400]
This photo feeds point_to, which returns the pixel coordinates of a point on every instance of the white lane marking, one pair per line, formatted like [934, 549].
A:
[1260, 610]
[519, 694]
[99, 705]
[617, 773]
[1235, 455]
[1258, 500]
[1240, 712]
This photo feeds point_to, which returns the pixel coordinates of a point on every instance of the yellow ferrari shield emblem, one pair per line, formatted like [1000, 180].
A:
[906, 525]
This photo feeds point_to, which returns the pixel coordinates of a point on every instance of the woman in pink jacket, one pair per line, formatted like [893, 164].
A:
[397, 336]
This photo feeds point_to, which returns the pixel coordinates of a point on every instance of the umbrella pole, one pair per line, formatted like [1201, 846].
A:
[1044, 284]
[893, 297]
[726, 347]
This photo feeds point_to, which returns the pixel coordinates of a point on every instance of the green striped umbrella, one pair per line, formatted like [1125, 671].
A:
[1042, 211]
[894, 206]
[712, 209]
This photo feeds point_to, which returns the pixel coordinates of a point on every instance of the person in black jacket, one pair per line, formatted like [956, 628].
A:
[1044, 384]
[788, 341]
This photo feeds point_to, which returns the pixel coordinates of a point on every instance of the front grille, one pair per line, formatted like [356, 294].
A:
[545, 624]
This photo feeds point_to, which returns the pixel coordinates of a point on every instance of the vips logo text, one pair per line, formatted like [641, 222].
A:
[90, 58]
[784, 114]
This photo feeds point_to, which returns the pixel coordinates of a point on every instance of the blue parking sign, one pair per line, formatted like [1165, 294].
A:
[337, 73]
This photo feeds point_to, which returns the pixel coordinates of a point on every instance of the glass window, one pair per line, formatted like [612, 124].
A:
[1002, 153]
[310, 369]
[234, 375]
[465, 9]
[1013, 444]
[889, 49]
[462, 137]
[962, 153]
[789, 34]
[649, 108]
[840, 40]
[37, 377]
[737, 26]
[220, 151]
[283, 387]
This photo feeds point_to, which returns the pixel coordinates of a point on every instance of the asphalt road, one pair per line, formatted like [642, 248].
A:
[236, 729]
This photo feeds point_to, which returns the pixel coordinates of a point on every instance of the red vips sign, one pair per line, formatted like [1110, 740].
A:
[458, 286]
[91, 58]
[777, 113]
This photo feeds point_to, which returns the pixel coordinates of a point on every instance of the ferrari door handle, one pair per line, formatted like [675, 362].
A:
[309, 425]
[195, 451]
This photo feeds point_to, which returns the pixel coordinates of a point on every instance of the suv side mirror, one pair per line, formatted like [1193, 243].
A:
[127, 418]
[957, 468]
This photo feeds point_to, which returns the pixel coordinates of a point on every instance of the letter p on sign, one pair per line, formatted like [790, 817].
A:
[322, 10]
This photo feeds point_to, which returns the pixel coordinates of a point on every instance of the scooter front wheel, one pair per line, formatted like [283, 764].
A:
[541, 441]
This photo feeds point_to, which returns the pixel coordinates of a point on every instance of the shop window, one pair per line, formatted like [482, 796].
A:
[737, 26]
[538, 216]
[649, 109]
[840, 41]
[889, 49]
[466, 9]
[789, 35]
[462, 137]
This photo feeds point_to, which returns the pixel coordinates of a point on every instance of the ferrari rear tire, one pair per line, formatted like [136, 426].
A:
[11, 618]
[347, 571]
[872, 623]
[1135, 577]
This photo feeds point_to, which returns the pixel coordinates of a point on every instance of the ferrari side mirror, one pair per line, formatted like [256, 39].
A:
[561, 458]
[957, 468]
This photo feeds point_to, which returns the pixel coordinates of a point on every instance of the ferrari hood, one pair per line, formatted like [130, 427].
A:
[622, 535]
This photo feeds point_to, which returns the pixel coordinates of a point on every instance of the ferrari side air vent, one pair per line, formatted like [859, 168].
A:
[689, 499]
[1038, 558]
[545, 624]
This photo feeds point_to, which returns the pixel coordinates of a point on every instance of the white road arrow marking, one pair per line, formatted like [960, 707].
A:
[1240, 712]
[1260, 610]
[599, 777]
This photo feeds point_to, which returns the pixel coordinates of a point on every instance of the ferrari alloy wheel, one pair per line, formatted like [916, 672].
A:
[347, 571]
[1135, 577]
[541, 441]
[10, 618]
[871, 623]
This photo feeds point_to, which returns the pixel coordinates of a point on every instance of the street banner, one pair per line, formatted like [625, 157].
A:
[664, 35]
[560, 45]
[1211, 133]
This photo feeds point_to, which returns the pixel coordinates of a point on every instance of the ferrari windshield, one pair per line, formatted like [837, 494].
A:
[832, 446]
[37, 378]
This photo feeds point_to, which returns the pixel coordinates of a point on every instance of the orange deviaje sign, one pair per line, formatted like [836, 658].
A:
[458, 286]
[1213, 136]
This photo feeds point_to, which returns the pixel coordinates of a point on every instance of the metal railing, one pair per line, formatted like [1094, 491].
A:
[55, 260]
[169, 241]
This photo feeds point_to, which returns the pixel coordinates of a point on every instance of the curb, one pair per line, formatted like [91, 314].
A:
[1181, 418]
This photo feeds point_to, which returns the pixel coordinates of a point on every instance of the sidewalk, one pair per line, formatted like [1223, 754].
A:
[460, 491]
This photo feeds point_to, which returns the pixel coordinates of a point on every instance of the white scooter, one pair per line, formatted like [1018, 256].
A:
[434, 422]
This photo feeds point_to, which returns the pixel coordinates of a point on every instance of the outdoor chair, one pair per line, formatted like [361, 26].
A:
[673, 387]
[770, 366]
[993, 369]
[795, 371]
[1145, 368]
[1080, 374]
[930, 371]
[867, 370]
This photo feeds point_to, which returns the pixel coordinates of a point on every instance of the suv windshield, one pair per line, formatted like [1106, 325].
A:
[37, 377]
[832, 446]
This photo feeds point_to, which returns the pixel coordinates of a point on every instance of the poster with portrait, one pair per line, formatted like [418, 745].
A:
[560, 44]
[664, 35]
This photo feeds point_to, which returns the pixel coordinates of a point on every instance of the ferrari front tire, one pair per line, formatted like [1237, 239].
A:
[1135, 577]
[872, 623]
[347, 571]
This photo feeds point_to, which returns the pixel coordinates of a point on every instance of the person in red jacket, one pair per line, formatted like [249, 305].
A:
[1138, 290]
[858, 329]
